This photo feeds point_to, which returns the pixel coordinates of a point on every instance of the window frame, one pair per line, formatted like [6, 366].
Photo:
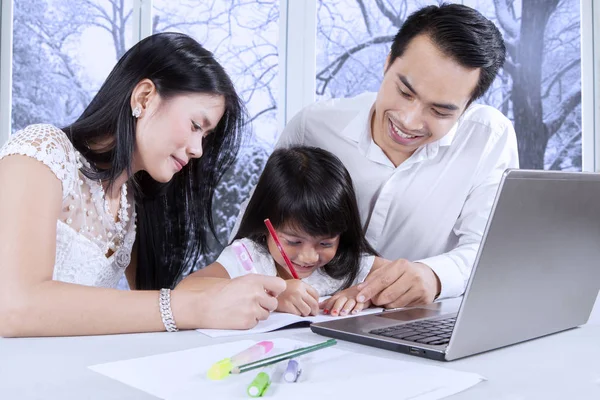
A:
[297, 68]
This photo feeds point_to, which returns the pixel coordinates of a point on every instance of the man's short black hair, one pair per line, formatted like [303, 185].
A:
[462, 34]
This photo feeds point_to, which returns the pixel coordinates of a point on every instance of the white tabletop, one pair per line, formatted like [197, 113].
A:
[561, 366]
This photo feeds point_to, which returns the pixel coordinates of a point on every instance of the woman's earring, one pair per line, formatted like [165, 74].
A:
[137, 111]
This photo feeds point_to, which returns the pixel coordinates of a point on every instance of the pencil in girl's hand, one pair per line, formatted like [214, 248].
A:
[278, 244]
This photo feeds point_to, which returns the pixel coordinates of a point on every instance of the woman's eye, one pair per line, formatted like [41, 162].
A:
[292, 242]
[196, 127]
[326, 245]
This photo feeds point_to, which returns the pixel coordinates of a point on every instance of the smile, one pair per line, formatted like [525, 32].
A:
[401, 137]
[178, 164]
[303, 267]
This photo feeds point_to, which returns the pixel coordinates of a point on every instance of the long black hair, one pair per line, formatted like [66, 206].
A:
[310, 189]
[173, 219]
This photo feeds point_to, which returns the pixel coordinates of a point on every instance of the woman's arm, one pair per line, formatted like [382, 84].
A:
[32, 304]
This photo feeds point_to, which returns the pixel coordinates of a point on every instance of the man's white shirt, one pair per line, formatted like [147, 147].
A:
[433, 207]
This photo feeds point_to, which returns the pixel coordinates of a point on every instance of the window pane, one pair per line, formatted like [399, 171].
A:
[354, 37]
[243, 35]
[63, 51]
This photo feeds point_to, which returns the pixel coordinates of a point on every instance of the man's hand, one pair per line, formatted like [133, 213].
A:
[400, 283]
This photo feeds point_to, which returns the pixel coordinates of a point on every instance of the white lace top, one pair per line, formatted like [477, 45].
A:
[86, 231]
[265, 265]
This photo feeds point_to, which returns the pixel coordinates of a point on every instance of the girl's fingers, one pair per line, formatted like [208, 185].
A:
[337, 306]
[327, 305]
[304, 308]
[358, 308]
[348, 307]
[311, 303]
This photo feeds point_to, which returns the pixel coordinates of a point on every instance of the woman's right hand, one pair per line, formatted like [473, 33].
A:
[228, 303]
[299, 298]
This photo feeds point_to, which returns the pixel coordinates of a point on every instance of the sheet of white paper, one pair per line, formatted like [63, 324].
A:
[327, 373]
[276, 321]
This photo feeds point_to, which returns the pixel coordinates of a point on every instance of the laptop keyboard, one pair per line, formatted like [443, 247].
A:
[427, 331]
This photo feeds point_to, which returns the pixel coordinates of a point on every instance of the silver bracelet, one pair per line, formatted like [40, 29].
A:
[165, 310]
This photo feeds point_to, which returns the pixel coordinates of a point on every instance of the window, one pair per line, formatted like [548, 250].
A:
[62, 52]
[243, 37]
[354, 37]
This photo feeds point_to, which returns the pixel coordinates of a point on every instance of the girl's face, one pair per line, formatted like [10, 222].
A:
[307, 253]
[170, 133]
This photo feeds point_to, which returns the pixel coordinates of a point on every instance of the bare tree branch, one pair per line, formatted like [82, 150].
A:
[511, 47]
[510, 67]
[555, 164]
[507, 22]
[363, 11]
[559, 75]
[388, 14]
[565, 108]
[329, 72]
[258, 114]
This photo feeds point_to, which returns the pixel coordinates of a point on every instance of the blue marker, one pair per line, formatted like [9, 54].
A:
[292, 371]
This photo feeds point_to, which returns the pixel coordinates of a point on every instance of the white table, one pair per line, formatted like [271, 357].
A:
[561, 366]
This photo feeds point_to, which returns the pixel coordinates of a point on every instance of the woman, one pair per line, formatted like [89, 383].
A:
[126, 188]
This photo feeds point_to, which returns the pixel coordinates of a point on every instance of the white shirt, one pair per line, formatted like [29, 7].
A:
[433, 207]
[265, 265]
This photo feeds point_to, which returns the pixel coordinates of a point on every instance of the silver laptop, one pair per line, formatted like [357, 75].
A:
[537, 272]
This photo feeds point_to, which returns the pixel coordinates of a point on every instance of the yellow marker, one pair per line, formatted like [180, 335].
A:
[222, 369]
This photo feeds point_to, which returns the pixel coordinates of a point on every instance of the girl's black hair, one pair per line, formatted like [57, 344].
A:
[308, 188]
[173, 219]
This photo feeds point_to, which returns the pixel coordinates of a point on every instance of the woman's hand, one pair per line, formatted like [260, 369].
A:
[227, 303]
[344, 303]
[298, 298]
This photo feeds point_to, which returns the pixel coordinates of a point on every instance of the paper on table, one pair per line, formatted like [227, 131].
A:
[279, 320]
[330, 372]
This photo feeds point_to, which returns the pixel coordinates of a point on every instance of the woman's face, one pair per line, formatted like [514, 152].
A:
[170, 132]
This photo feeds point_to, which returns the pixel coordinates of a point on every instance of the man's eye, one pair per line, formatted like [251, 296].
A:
[439, 114]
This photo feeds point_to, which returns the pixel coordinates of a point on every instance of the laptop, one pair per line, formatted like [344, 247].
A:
[537, 272]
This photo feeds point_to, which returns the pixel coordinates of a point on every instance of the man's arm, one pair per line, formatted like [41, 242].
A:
[454, 267]
[407, 283]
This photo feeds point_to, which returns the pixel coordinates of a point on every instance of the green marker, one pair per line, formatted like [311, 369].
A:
[280, 357]
[261, 383]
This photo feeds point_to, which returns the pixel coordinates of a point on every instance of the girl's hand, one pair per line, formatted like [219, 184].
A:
[298, 298]
[343, 303]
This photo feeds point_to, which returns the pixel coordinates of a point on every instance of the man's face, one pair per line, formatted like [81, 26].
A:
[422, 95]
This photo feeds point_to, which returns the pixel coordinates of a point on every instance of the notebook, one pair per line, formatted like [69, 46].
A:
[279, 320]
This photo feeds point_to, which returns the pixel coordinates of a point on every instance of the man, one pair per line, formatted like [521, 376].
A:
[425, 161]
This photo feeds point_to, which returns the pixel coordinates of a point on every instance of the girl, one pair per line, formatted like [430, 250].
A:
[308, 195]
[126, 188]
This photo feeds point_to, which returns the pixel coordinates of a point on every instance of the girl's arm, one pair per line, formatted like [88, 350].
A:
[32, 304]
[203, 277]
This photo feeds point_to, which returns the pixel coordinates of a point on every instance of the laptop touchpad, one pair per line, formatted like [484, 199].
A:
[410, 314]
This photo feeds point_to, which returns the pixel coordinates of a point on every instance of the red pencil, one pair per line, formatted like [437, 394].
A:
[278, 244]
